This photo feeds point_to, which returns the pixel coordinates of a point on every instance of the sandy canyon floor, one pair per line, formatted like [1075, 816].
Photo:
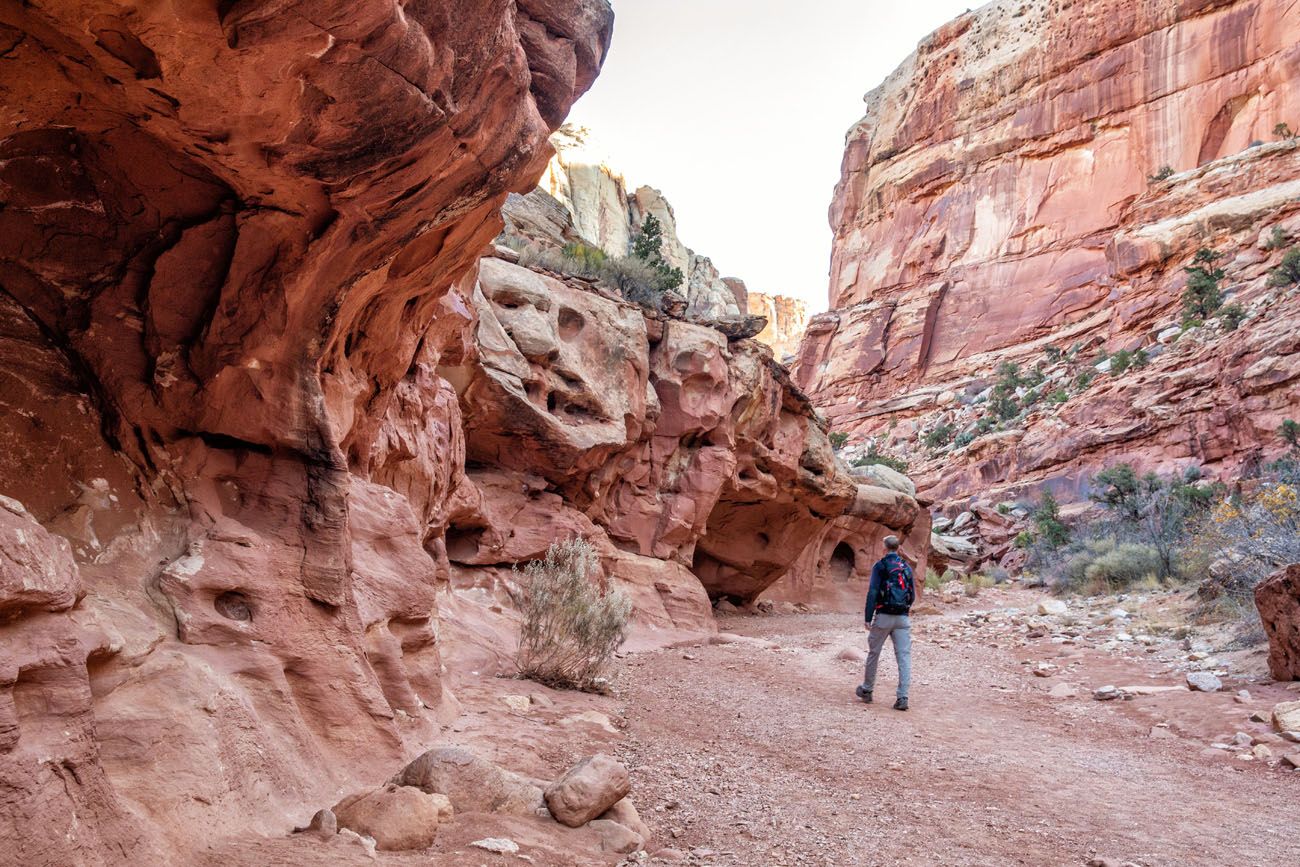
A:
[756, 752]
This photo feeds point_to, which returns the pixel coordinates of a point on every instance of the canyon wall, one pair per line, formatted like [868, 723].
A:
[1032, 181]
[275, 431]
[786, 320]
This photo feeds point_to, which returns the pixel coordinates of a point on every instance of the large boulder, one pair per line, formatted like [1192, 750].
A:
[590, 787]
[399, 818]
[1278, 600]
[37, 571]
[471, 783]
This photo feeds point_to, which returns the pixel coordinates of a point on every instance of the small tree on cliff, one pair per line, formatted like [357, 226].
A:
[1202, 297]
[1052, 531]
[648, 246]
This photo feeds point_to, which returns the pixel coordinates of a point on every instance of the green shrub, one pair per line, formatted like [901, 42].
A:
[1024, 539]
[1163, 173]
[984, 424]
[964, 439]
[1231, 316]
[1158, 511]
[1283, 131]
[1289, 431]
[933, 580]
[940, 436]
[1202, 296]
[838, 439]
[1058, 397]
[1276, 240]
[1052, 531]
[632, 278]
[1054, 354]
[875, 456]
[572, 625]
[1084, 379]
[1120, 362]
[1288, 273]
[1005, 406]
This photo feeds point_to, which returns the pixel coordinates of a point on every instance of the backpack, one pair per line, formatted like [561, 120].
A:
[899, 591]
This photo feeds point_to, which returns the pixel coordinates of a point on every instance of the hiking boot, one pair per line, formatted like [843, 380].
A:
[901, 704]
[864, 694]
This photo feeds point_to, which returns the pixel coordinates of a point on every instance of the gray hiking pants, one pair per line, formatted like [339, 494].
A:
[898, 627]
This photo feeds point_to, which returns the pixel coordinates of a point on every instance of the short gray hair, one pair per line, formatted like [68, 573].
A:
[892, 543]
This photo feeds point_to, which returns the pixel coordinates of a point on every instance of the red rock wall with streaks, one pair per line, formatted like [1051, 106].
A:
[996, 199]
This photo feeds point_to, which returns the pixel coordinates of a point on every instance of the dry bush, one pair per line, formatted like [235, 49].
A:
[977, 582]
[571, 623]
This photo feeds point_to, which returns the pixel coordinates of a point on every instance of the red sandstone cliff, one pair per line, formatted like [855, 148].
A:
[995, 201]
[273, 436]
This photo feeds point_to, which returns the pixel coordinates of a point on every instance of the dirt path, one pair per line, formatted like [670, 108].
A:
[760, 755]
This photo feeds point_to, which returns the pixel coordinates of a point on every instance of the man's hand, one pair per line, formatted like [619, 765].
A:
[868, 625]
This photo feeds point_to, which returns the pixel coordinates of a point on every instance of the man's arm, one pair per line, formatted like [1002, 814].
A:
[873, 592]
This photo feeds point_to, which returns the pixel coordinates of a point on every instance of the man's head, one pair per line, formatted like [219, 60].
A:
[891, 544]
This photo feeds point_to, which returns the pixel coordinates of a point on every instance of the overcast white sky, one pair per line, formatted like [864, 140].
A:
[737, 110]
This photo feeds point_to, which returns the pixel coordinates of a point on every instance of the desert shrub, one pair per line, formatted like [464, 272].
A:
[1232, 315]
[933, 580]
[940, 436]
[1276, 240]
[875, 456]
[1202, 296]
[1163, 173]
[963, 439]
[1156, 511]
[1287, 273]
[838, 439]
[1003, 508]
[635, 280]
[571, 623]
[1249, 536]
[1058, 397]
[1024, 540]
[1283, 130]
[1289, 432]
[1053, 353]
[976, 582]
[983, 425]
[1005, 406]
[1105, 565]
[1120, 362]
[1084, 379]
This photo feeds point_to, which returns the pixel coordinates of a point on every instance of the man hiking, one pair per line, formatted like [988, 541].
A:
[888, 602]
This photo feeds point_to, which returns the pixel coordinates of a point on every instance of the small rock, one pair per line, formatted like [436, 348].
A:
[725, 606]
[350, 838]
[1242, 739]
[1286, 716]
[1052, 606]
[1106, 693]
[1292, 759]
[1242, 697]
[626, 814]
[1203, 681]
[615, 837]
[1063, 690]
[1259, 716]
[499, 845]
[588, 789]
[518, 703]
[851, 654]
[1261, 752]
[1293, 737]
[670, 855]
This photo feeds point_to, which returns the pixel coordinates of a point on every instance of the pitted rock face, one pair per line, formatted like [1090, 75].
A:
[235, 248]
[561, 374]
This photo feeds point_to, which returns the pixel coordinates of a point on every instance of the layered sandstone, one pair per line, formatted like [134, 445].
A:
[1003, 195]
[786, 320]
[228, 243]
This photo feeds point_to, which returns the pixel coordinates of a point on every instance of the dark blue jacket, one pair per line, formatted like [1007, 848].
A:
[879, 573]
